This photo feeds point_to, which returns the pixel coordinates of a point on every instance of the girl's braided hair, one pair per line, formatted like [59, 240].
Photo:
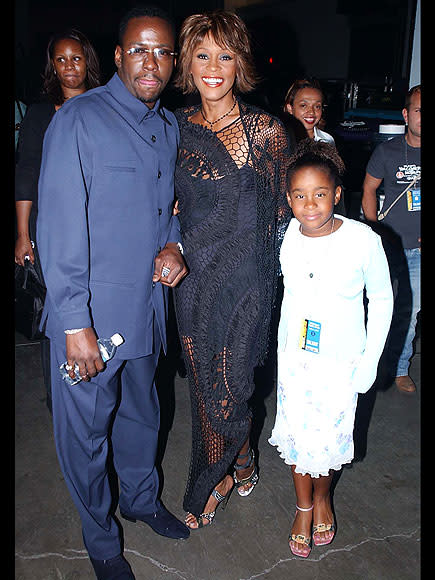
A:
[310, 153]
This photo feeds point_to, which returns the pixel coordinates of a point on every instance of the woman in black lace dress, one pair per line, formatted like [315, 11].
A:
[231, 203]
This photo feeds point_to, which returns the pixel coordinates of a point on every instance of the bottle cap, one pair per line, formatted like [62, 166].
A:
[117, 339]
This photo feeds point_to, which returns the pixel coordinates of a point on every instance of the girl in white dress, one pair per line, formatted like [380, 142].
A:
[327, 352]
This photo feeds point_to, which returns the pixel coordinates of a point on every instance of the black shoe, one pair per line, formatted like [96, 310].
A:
[116, 568]
[162, 522]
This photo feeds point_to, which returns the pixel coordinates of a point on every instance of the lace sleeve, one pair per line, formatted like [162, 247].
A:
[271, 147]
[280, 148]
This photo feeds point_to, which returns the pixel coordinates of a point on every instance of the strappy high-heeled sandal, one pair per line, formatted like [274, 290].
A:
[222, 501]
[300, 538]
[251, 479]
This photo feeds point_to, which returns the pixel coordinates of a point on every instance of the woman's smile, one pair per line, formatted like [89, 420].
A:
[213, 81]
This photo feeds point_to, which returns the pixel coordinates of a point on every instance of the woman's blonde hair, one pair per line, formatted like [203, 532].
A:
[229, 32]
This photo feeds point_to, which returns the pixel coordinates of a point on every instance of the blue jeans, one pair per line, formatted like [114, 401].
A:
[405, 278]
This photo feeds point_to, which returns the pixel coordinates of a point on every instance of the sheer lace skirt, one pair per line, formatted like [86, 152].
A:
[221, 383]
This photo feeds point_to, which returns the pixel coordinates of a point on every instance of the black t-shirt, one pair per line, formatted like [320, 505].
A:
[397, 164]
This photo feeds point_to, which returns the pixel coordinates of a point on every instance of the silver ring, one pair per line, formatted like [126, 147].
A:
[165, 271]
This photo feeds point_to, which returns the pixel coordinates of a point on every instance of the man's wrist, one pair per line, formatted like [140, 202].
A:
[179, 246]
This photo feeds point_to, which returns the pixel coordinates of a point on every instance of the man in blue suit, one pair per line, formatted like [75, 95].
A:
[110, 248]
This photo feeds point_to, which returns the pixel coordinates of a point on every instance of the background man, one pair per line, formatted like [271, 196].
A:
[397, 163]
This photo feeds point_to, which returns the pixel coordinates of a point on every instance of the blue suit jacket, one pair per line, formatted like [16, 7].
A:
[106, 191]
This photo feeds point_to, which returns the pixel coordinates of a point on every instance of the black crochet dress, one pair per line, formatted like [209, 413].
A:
[230, 186]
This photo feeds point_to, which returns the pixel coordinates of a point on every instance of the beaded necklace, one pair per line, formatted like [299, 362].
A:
[211, 123]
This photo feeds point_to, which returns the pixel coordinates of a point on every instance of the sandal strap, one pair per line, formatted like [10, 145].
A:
[319, 528]
[242, 456]
[300, 539]
[208, 516]
[304, 509]
[218, 496]
[250, 461]
[253, 478]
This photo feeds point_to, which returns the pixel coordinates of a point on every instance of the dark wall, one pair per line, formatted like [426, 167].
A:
[381, 38]
[358, 40]
[36, 21]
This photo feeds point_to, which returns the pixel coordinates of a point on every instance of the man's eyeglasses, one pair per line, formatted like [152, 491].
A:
[160, 54]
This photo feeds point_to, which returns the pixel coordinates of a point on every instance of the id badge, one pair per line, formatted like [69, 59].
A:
[414, 200]
[310, 335]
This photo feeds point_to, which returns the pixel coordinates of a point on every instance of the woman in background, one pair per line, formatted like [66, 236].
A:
[303, 109]
[305, 102]
[72, 67]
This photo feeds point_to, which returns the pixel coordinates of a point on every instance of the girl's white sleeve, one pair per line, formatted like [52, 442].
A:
[380, 309]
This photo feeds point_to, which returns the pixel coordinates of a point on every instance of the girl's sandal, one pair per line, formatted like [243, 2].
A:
[304, 541]
[251, 480]
[321, 528]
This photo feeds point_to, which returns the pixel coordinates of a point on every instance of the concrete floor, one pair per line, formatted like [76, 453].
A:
[376, 500]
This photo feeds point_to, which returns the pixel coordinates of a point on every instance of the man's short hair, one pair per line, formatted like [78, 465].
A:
[140, 11]
[409, 94]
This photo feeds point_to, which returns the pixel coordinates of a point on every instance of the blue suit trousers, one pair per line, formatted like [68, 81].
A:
[87, 420]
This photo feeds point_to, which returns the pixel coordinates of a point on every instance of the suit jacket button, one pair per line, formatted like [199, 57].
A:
[159, 174]
[153, 138]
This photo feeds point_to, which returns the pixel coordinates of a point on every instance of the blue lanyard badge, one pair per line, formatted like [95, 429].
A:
[310, 335]
[414, 200]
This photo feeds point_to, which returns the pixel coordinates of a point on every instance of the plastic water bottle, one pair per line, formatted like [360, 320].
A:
[107, 348]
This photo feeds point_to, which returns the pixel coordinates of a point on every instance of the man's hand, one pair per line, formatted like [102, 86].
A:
[82, 348]
[169, 266]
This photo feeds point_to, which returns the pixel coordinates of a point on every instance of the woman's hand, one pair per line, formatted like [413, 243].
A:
[23, 245]
[23, 249]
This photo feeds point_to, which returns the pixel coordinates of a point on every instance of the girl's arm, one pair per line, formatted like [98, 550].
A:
[380, 310]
